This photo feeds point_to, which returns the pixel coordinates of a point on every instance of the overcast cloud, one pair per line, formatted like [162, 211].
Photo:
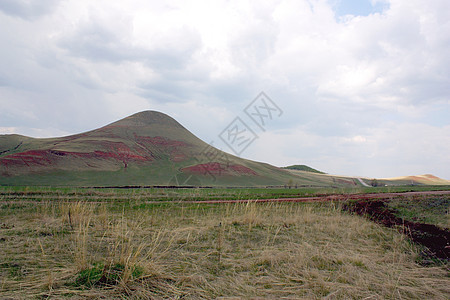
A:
[364, 85]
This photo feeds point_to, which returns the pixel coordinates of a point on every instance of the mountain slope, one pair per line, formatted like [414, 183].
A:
[145, 149]
[148, 148]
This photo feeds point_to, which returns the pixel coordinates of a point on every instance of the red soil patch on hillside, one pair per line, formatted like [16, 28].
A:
[166, 146]
[215, 168]
[115, 151]
[28, 158]
[121, 156]
[208, 168]
[240, 169]
[121, 151]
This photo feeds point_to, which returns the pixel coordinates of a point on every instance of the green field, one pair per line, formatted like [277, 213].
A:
[191, 194]
[147, 243]
[424, 209]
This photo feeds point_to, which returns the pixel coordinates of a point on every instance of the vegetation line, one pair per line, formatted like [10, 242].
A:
[336, 197]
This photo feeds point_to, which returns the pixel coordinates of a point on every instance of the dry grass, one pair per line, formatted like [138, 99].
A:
[198, 251]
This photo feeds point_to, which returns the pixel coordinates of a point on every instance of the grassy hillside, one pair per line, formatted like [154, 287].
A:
[148, 148]
[303, 168]
[145, 149]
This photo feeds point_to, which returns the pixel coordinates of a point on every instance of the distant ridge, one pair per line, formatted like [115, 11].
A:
[303, 168]
[427, 179]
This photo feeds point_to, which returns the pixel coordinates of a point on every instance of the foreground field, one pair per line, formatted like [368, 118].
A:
[119, 249]
[77, 243]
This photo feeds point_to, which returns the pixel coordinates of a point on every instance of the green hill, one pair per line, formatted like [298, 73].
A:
[148, 148]
[303, 168]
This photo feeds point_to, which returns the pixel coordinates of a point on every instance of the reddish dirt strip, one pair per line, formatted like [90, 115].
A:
[435, 239]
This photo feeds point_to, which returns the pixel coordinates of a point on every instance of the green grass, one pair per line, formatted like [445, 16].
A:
[424, 209]
[99, 275]
[303, 168]
[137, 195]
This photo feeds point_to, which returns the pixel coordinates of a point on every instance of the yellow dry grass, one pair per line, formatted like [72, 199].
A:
[245, 250]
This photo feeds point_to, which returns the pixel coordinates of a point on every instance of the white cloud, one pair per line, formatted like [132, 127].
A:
[27, 9]
[390, 150]
[351, 88]
[8, 130]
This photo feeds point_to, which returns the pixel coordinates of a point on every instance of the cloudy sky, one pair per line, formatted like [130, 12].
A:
[363, 85]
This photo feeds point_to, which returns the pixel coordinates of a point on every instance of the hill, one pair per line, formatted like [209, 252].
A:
[303, 168]
[147, 148]
[426, 179]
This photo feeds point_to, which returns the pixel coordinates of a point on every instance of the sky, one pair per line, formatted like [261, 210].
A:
[362, 88]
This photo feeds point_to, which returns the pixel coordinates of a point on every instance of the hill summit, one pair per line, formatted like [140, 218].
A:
[147, 118]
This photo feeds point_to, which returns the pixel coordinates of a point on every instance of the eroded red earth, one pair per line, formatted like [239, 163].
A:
[215, 168]
[28, 158]
[164, 145]
[147, 149]
[117, 151]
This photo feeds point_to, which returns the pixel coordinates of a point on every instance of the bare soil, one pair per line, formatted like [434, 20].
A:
[435, 239]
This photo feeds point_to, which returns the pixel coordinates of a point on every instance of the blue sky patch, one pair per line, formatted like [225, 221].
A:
[358, 7]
